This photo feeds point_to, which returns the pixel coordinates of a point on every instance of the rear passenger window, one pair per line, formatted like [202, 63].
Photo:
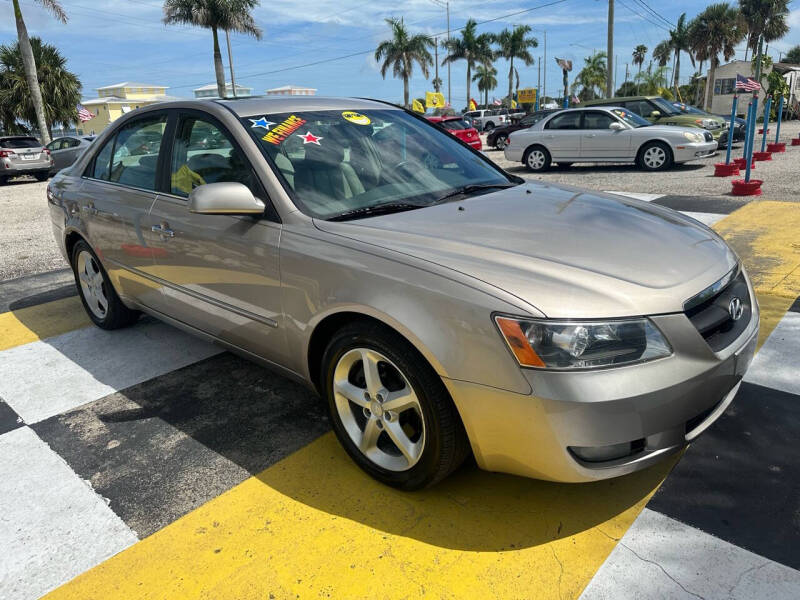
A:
[203, 154]
[135, 157]
[103, 160]
[567, 120]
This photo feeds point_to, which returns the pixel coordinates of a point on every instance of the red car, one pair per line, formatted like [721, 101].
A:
[461, 129]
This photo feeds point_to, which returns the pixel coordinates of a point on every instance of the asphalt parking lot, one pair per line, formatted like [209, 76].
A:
[144, 463]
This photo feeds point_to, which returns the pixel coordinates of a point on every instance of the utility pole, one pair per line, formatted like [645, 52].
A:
[626, 73]
[544, 92]
[616, 69]
[230, 62]
[539, 76]
[610, 50]
[436, 60]
[447, 4]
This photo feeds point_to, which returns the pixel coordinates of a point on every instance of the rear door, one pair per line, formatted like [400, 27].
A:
[118, 190]
[562, 135]
[220, 273]
[64, 152]
[599, 142]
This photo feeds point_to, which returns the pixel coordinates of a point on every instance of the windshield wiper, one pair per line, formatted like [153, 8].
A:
[378, 209]
[470, 189]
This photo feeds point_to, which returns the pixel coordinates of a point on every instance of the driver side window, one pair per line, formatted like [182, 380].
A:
[597, 120]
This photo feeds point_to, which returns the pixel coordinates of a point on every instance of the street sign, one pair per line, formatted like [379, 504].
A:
[526, 95]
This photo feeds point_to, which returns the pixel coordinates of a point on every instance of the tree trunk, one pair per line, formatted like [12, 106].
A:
[405, 91]
[710, 84]
[510, 81]
[699, 80]
[677, 73]
[31, 76]
[639, 79]
[469, 75]
[487, 95]
[219, 70]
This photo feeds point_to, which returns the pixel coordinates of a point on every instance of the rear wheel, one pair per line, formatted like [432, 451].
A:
[3, 180]
[98, 296]
[655, 156]
[489, 126]
[389, 408]
[501, 141]
[537, 159]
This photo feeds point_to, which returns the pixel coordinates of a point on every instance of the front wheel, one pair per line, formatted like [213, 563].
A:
[389, 408]
[98, 296]
[489, 126]
[655, 156]
[537, 159]
[42, 176]
[501, 142]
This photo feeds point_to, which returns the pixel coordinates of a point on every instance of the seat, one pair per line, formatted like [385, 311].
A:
[141, 175]
[324, 181]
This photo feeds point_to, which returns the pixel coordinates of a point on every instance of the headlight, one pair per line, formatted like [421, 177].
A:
[693, 137]
[550, 344]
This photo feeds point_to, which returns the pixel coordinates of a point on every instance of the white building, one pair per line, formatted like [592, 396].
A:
[721, 94]
[210, 91]
[291, 90]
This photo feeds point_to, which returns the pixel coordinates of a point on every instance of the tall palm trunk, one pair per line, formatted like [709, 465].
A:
[486, 89]
[710, 84]
[697, 89]
[677, 73]
[469, 76]
[30, 73]
[639, 79]
[219, 70]
[406, 71]
[510, 81]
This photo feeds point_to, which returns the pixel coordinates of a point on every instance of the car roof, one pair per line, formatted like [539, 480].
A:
[277, 104]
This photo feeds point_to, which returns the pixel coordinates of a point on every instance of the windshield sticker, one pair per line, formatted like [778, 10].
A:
[262, 123]
[310, 138]
[356, 118]
[283, 130]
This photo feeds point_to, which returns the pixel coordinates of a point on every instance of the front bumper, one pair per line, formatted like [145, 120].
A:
[656, 407]
[693, 151]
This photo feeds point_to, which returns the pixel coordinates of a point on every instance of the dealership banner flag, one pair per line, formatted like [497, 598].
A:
[434, 99]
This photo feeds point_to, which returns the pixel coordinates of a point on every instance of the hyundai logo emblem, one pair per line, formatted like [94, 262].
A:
[735, 308]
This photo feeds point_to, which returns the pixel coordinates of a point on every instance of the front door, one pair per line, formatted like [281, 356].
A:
[219, 273]
[562, 136]
[599, 142]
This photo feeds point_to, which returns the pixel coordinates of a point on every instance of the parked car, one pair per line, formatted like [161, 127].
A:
[603, 134]
[498, 136]
[460, 128]
[662, 112]
[65, 150]
[738, 123]
[437, 303]
[511, 114]
[486, 119]
[23, 155]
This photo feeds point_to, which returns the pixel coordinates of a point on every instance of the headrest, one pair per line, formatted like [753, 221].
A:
[329, 153]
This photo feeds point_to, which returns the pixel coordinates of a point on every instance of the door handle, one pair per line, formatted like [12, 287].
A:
[590, 135]
[549, 137]
[163, 230]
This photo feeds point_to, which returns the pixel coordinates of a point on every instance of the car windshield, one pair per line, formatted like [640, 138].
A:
[20, 142]
[340, 161]
[455, 124]
[665, 107]
[630, 118]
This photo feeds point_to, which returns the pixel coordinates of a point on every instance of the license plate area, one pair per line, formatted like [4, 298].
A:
[29, 156]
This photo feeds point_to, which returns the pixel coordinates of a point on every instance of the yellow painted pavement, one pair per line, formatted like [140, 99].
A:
[26, 325]
[313, 526]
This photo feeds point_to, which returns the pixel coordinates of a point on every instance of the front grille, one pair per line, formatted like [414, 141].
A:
[708, 136]
[711, 314]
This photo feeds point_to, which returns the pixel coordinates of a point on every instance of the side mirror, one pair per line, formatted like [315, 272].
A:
[655, 114]
[616, 126]
[226, 198]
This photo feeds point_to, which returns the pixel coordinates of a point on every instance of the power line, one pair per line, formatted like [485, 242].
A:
[649, 9]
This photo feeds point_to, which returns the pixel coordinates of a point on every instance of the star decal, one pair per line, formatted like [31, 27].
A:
[310, 138]
[262, 122]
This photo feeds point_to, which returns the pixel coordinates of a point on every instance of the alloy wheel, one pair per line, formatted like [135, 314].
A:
[92, 284]
[536, 160]
[501, 142]
[379, 409]
[654, 157]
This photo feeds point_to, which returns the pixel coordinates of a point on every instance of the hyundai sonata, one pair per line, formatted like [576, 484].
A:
[439, 305]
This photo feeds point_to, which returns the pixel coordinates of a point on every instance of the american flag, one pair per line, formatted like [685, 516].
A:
[746, 84]
[496, 102]
[83, 114]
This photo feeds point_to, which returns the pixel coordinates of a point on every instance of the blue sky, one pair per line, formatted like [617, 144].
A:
[108, 41]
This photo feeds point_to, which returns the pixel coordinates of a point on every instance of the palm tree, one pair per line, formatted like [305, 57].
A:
[402, 51]
[28, 61]
[473, 48]
[793, 56]
[679, 41]
[592, 76]
[437, 84]
[720, 28]
[638, 57]
[698, 46]
[765, 21]
[486, 76]
[661, 54]
[61, 89]
[650, 81]
[216, 15]
[513, 44]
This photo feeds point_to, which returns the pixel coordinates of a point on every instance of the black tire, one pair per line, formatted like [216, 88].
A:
[501, 141]
[645, 162]
[537, 166]
[3, 180]
[117, 315]
[42, 176]
[445, 441]
[489, 126]
[565, 165]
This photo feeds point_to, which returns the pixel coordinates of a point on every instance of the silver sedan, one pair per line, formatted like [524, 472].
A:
[606, 135]
[439, 305]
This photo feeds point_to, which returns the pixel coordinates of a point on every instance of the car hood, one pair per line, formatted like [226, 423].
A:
[673, 129]
[565, 251]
